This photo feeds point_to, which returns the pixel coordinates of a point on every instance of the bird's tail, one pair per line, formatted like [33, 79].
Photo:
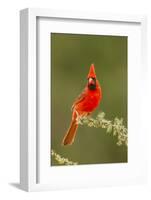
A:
[71, 133]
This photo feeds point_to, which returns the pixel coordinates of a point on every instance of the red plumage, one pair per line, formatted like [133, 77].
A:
[86, 103]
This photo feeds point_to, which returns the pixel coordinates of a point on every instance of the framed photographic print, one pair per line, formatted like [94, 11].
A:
[81, 76]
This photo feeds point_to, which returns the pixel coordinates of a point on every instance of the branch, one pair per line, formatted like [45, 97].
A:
[115, 127]
[61, 160]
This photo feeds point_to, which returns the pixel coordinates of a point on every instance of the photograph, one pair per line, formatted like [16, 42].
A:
[89, 99]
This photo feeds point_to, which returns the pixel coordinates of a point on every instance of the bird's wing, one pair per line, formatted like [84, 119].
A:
[80, 98]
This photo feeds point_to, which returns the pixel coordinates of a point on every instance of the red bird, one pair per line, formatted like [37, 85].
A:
[86, 103]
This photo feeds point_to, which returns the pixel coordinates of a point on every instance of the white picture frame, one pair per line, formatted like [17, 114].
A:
[29, 148]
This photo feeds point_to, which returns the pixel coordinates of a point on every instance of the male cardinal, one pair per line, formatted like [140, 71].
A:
[84, 105]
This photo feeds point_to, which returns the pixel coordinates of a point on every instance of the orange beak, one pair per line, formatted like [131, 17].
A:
[92, 72]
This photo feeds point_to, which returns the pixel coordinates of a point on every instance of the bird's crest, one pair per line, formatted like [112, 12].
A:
[92, 72]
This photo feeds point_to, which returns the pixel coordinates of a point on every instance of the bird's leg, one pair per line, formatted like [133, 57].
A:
[78, 116]
[81, 116]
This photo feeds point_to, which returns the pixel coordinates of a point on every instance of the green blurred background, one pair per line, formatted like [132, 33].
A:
[71, 57]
